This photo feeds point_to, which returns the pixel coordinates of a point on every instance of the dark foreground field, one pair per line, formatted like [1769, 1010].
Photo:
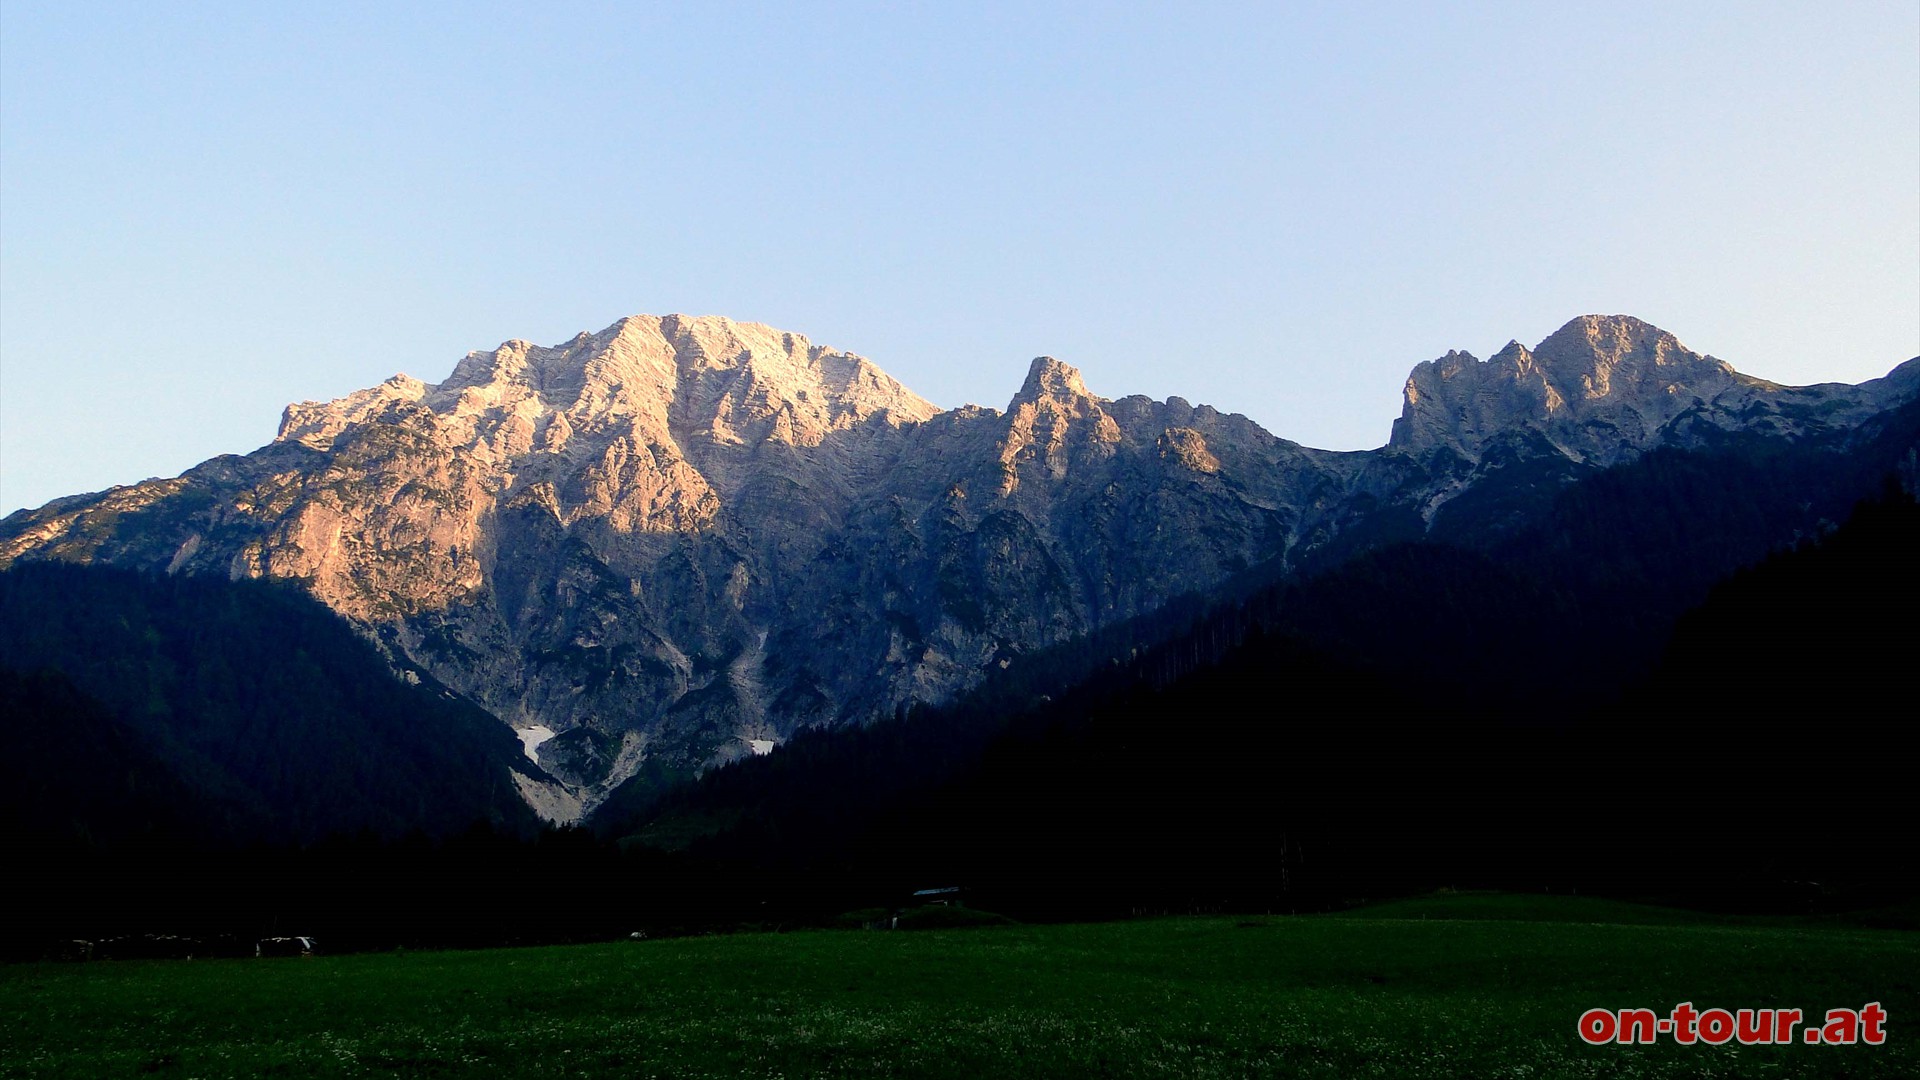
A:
[1450, 986]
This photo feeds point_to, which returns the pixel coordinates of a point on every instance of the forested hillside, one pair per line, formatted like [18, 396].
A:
[246, 710]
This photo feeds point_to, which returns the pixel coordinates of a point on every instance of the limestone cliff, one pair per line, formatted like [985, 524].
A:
[1603, 388]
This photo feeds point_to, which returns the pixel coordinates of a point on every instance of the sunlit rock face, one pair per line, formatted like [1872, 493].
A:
[1602, 389]
[683, 539]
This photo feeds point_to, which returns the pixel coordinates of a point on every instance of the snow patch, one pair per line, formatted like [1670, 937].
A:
[761, 747]
[532, 737]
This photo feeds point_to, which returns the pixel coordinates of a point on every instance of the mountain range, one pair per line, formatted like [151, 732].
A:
[682, 541]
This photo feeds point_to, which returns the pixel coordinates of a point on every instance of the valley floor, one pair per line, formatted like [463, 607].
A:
[1478, 986]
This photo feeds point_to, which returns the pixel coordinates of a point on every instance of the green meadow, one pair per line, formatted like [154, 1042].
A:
[1470, 986]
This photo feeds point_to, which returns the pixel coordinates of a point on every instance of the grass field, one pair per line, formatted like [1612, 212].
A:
[1472, 986]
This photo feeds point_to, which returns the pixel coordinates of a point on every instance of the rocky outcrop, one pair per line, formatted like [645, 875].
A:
[1604, 388]
[683, 539]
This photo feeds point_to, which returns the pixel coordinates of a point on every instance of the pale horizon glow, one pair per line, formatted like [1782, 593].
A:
[210, 211]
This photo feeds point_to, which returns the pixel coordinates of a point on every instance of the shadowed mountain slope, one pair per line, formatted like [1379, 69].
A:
[231, 712]
[1759, 763]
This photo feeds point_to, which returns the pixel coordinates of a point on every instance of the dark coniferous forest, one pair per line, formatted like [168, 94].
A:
[277, 721]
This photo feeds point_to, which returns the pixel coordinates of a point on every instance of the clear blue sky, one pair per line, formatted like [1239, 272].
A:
[209, 211]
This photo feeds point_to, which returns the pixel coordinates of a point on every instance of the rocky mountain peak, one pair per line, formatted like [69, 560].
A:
[650, 376]
[1597, 356]
[316, 423]
[1600, 386]
[1049, 378]
[651, 427]
[1512, 354]
[1052, 423]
